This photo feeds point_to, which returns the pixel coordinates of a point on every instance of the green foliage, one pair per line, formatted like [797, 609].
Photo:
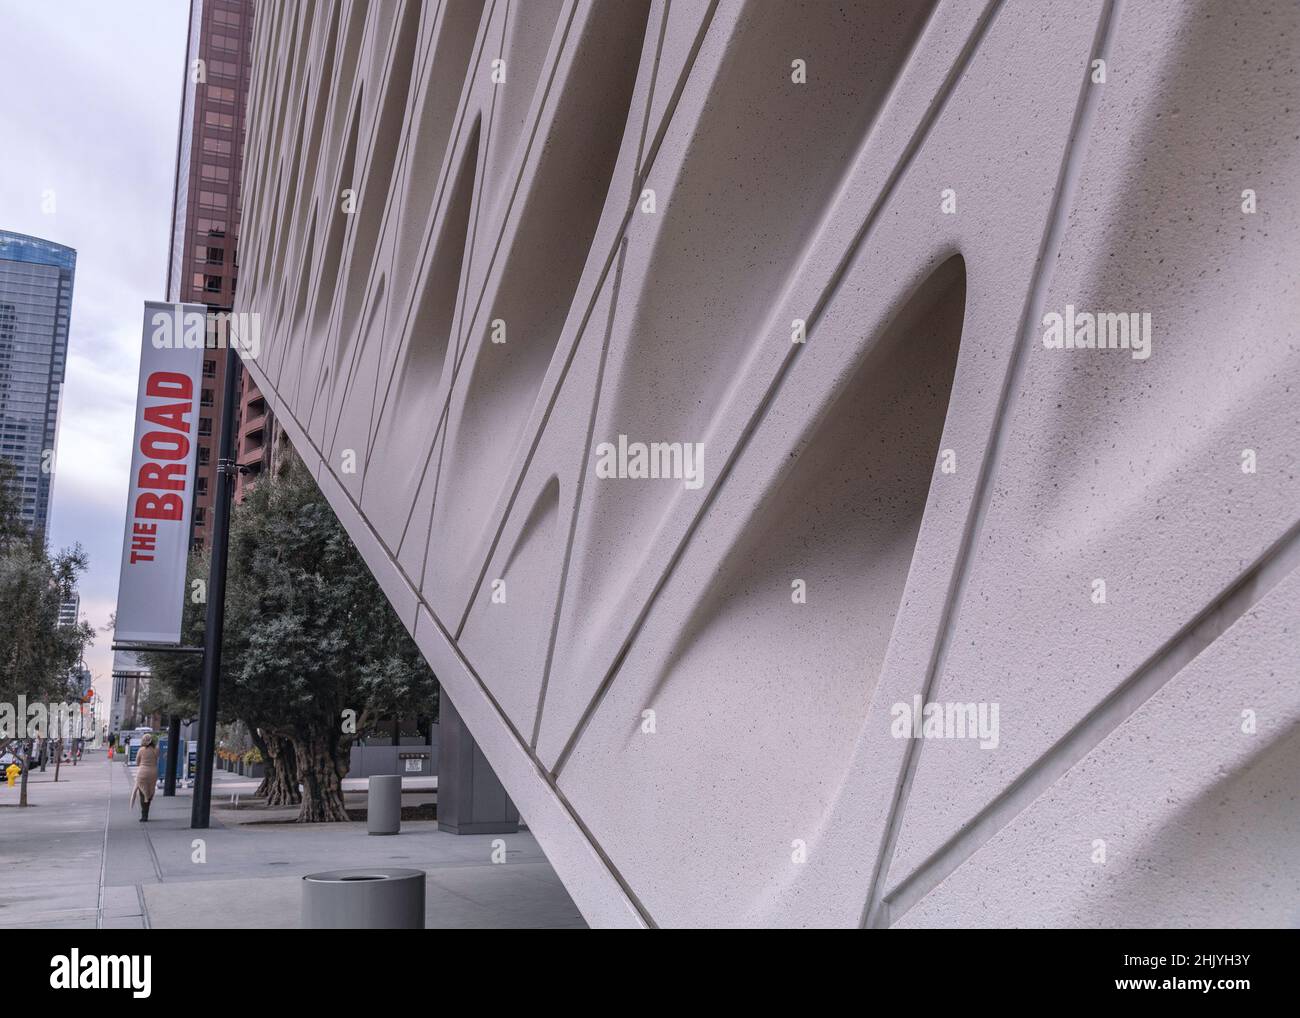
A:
[36, 653]
[174, 679]
[308, 630]
[308, 634]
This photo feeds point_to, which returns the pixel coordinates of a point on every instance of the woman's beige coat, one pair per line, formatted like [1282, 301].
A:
[146, 774]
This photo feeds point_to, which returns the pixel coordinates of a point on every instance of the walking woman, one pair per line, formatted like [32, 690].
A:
[146, 775]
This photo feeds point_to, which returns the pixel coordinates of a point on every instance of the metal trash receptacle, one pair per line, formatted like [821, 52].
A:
[384, 804]
[363, 899]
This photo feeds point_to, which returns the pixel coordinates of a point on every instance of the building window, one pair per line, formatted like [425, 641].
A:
[211, 228]
[209, 369]
[211, 172]
[205, 453]
[202, 488]
[215, 199]
[205, 397]
[200, 513]
[212, 284]
[224, 121]
[205, 427]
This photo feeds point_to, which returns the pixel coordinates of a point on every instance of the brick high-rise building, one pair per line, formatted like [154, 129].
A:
[205, 218]
[257, 436]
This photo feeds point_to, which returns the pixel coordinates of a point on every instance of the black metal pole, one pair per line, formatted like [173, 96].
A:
[173, 755]
[202, 803]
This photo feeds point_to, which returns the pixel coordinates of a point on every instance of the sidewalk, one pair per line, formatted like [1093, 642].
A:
[51, 852]
[80, 857]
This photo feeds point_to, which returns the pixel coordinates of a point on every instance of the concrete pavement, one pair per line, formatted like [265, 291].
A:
[79, 857]
[51, 854]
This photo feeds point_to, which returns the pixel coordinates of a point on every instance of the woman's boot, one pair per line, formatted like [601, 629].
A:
[144, 810]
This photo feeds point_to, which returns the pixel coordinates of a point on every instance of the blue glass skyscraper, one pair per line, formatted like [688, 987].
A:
[36, 279]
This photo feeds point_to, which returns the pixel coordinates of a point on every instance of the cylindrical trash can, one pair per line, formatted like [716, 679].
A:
[378, 899]
[384, 804]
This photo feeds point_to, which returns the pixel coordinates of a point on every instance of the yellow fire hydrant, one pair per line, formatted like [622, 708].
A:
[12, 772]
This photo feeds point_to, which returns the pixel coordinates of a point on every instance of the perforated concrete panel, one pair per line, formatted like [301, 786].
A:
[840, 459]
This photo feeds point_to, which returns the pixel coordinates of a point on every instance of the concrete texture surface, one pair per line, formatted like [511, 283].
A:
[823, 244]
[51, 853]
[80, 858]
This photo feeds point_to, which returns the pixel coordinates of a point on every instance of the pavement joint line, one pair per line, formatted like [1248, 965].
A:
[153, 856]
[144, 909]
[103, 853]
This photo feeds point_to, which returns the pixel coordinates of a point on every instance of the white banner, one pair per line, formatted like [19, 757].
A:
[156, 547]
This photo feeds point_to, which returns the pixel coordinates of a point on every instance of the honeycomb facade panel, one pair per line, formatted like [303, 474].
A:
[840, 460]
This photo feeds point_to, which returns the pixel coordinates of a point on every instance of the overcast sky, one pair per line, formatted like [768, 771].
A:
[89, 104]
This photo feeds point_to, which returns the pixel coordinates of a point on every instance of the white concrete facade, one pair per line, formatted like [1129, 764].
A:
[832, 251]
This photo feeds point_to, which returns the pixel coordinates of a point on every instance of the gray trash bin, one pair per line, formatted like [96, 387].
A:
[370, 899]
[384, 804]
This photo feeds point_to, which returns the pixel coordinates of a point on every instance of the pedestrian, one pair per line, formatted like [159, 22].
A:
[146, 775]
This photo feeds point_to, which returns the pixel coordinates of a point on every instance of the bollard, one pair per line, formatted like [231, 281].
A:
[378, 899]
[384, 804]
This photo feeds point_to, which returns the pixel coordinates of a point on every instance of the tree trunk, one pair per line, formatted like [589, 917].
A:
[321, 775]
[281, 772]
[264, 789]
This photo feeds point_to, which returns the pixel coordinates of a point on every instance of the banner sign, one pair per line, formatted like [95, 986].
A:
[156, 547]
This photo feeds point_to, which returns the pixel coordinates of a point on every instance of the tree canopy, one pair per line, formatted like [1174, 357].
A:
[312, 650]
[37, 655]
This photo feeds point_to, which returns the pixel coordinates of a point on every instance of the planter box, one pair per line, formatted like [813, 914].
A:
[256, 770]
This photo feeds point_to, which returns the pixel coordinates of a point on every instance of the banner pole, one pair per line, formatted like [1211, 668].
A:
[173, 755]
[202, 803]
